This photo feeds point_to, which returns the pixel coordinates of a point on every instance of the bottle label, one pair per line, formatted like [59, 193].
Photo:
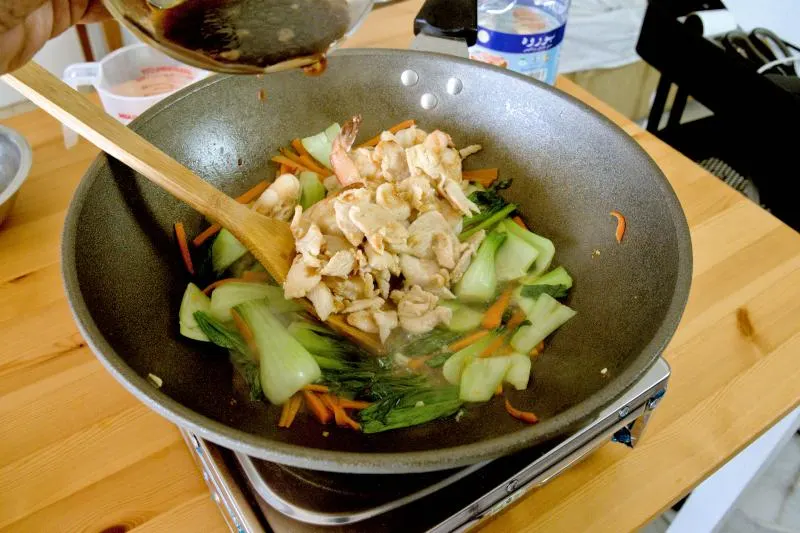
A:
[520, 44]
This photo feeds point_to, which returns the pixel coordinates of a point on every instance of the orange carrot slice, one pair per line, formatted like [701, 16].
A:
[313, 387]
[180, 233]
[517, 318]
[306, 162]
[283, 160]
[353, 404]
[525, 416]
[394, 129]
[537, 349]
[316, 407]
[208, 290]
[294, 406]
[297, 144]
[499, 390]
[621, 224]
[285, 408]
[255, 276]
[494, 346]
[520, 222]
[339, 414]
[494, 315]
[483, 176]
[472, 338]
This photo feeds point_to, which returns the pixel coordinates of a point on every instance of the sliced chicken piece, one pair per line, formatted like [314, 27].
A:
[346, 289]
[335, 243]
[469, 150]
[367, 303]
[453, 216]
[426, 322]
[422, 230]
[445, 248]
[377, 223]
[280, 198]
[295, 224]
[409, 136]
[340, 265]
[300, 279]
[386, 196]
[457, 198]
[392, 157]
[382, 261]
[367, 285]
[422, 272]
[436, 158]
[418, 191]
[365, 163]
[383, 278]
[386, 321]
[322, 298]
[323, 215]
[346, 226]
[363, 320]
[332, 184]
[310, 245]
[468, 250]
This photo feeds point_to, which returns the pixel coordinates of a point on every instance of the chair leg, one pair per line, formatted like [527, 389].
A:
[659, 101]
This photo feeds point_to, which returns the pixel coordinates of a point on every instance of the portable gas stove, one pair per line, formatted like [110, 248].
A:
[256, 496]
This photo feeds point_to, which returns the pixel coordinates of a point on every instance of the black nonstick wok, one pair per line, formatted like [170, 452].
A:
[570, 167]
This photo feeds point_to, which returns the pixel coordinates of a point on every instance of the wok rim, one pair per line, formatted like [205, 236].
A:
[367, 462]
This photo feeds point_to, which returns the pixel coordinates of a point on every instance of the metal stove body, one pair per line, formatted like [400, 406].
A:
[255, 496]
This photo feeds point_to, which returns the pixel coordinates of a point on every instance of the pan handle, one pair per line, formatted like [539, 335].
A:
[451, 19]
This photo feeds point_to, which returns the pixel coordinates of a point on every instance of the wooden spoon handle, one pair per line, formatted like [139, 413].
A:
[70, 108]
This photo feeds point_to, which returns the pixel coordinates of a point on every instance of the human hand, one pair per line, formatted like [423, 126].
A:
[26, 25]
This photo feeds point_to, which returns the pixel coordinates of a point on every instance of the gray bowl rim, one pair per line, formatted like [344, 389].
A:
[25, 163]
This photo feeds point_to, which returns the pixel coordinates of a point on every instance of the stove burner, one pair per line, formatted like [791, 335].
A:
[272, 497]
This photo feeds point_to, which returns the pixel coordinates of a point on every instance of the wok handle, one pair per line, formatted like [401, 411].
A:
[452, 19]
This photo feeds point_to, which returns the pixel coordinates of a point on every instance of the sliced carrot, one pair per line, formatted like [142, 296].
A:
[313, 387]
[244, 329]
[417, 362]
[525, 416]
[394, 129]
[284, 169]
[339, 414]
[245, 198]
[520, 222]
[206, 234]
[316, 407]
[494, 346]
[251, 275]
[306, 161]
[208, 290]
[463, 342]
[484, 176]
[353, 404]
[537, 349]
[499, 390]
[283, 160]
[297, 144]
[294, 406]
[506, 349]
[620, 224]
[285, 408]
[517, 318]
[494, 315]
[180, 233]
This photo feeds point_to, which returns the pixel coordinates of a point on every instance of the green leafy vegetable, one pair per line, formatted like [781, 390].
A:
[285, 365]
[311, 189]
[454, 365]
[410, 409]
[193, 300]
[428, 343]
[227, 296]
[320, 145]
[481, 376]
[546, 316]
[514, 258]
[225, 251]
[219, 334]
[545, 246]
[249, 371]
[533, 291]
[494, 208]
[479, 283]
[439, 360]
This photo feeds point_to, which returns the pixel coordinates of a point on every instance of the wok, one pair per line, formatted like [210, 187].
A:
[570, 167]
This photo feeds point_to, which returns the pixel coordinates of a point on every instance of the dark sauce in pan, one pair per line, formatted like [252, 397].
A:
[253, 32]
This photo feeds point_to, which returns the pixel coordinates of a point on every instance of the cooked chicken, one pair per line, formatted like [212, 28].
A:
[280, 198]
[363, 320]
[322, 298]
[469, 150]
[391, 218]
[340, 265]
[386, 322]
[300, 279]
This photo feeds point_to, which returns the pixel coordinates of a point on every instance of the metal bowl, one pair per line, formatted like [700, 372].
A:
[15, 163]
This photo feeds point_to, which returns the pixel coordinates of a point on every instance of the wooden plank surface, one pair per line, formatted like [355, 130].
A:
[78, 453]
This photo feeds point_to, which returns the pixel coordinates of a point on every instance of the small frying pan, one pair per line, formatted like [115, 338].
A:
[570, 167]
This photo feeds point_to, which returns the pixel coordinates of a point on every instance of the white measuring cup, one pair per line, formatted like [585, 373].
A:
[129, 81]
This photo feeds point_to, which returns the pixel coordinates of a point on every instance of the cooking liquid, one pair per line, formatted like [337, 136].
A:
[253, 32]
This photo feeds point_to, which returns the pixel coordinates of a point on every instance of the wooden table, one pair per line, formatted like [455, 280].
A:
[78, 453]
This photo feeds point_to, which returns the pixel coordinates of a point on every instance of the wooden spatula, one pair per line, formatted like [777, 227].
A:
[269, 240]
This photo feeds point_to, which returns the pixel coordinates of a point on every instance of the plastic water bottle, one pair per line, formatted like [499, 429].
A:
[522, 35]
